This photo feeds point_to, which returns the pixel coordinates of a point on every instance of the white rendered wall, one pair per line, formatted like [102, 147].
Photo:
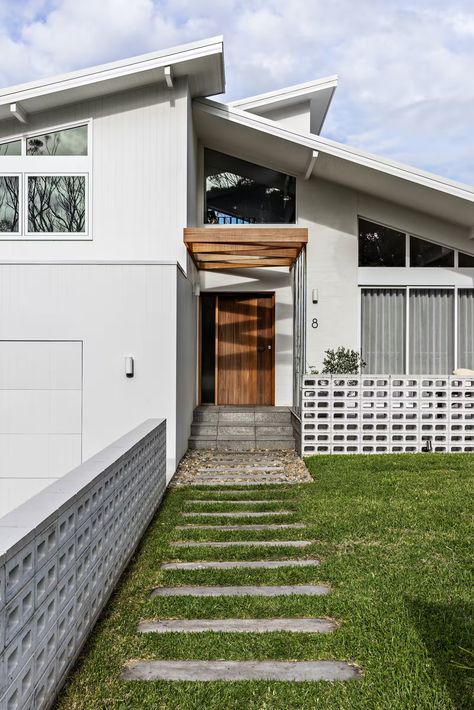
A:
[255, 280]
[115, 310]
[330, 212]
[186, 358]
[139, 180]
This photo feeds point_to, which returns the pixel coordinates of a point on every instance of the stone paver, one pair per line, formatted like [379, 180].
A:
[270, 526]
[241, 626]
[240, 564]
[296, 671]
[244, 501]
[251, 590]
[238, 514]
[245, 543]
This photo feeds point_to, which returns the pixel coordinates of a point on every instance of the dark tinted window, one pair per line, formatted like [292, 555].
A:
[238, 192]
[466, 260]
[423, 253]
[380, 246]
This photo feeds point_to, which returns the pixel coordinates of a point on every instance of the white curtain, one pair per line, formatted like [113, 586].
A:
[431, 331]
[383, 330]
[466, 328]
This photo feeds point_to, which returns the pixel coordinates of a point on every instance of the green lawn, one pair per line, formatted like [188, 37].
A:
[395, 537]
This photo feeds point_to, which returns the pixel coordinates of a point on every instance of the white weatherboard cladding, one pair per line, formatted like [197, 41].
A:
[115, 310]
[139, 176]
[40, 416]
[261, 280]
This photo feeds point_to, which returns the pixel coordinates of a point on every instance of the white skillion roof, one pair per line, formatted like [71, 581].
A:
[202, 62]
[316, 94]
[255, 138]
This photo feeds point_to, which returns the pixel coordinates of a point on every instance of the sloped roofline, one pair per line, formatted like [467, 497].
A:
[338, 150]
[182, 58]
[287, 96]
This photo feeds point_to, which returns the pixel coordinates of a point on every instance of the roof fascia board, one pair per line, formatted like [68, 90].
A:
[338, 150]
[113, 70]
[287, 96]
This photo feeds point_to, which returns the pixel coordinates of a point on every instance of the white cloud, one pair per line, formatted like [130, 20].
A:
[405, 67]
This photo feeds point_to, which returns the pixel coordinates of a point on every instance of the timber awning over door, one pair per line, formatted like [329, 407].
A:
[244, 247]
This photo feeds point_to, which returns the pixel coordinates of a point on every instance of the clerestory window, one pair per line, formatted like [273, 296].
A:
[239, 192]
[45, 183]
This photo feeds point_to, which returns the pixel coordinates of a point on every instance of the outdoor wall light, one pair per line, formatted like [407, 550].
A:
[197, 290]
[315, 295]
[129, 366]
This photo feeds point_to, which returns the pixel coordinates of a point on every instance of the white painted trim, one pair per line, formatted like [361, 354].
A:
[338, 150]
[168, 72]
[113, 70]
[287, 96]
[19, 113]
[310, 164]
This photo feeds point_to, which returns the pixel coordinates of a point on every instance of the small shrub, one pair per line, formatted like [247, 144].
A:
[342, 361]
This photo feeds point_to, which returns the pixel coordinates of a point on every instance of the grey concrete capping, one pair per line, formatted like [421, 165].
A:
[61, 554]
[378, 414]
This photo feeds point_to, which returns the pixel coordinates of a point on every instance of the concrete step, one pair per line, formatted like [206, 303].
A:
[240, 564]
[242, 543]
[204, 429]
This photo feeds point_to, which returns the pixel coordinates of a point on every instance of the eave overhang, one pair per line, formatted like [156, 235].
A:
[201, 62]
[227, 247]
[251, 137]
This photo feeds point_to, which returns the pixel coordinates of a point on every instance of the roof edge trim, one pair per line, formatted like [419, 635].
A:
[286, 96]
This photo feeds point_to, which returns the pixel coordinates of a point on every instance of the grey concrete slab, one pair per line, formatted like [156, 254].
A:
[240, 564]
[245, 543]
[244, 469]
[296, 671]
[270, 526]
[237, 514]
[255, 482]
[251, 590]
[241, 626]
[243, 501]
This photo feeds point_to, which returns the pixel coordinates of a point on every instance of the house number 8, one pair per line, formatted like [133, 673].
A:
[314, 323]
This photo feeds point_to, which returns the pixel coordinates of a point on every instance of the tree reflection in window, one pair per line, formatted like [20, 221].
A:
[56, 203]
[70, 141]
[239, 192]
[9, 203]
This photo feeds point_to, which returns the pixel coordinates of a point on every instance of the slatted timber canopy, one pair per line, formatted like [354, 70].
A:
[244, 247]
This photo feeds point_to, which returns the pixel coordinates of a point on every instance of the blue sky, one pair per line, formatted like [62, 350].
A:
[405, 69]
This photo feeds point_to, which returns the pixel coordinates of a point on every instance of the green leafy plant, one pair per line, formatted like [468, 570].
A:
[342, 361]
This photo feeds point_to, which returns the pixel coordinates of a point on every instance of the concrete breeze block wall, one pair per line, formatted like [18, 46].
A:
[378, 414]
[61, 554]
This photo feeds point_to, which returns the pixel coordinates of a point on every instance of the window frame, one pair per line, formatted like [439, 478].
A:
[17, 234]
[408, 235]
[201, 201]
[408, 288]
[48, 165]
[55, 235]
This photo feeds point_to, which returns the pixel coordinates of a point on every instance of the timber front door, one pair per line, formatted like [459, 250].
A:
[237, 349]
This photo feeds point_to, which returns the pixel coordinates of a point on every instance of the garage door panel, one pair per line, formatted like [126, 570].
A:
[40, 412]
[40, 365]
[54, 455]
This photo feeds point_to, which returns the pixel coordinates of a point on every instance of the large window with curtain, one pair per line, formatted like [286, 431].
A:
[417, 330]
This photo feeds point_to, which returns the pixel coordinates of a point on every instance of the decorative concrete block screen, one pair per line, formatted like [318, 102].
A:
[376, 414]
[62, 552]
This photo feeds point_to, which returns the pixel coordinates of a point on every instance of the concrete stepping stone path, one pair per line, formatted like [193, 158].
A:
[230, 474]
[239, 564]
[296, 671]
[240, 626]
[251, 590]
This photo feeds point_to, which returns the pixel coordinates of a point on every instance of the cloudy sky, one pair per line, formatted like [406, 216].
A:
[406, 67]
